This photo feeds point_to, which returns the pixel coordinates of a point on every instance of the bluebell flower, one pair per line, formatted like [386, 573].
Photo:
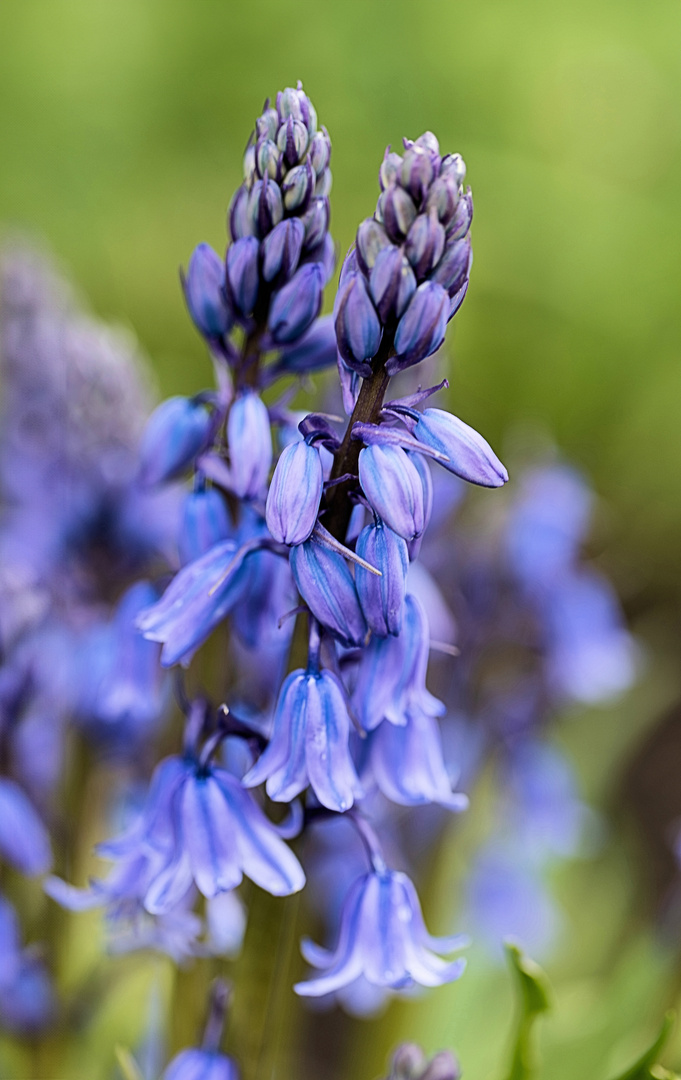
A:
[242, 277]
[205, 522]
[28, 1004]
[468, 454]
[10, 943]
[327, 587]
[295, 493]
[407, 763]
[309, 743]
[394, 489]
[250, 445]
[391, 677]
[177, 432]
[197, 1064]
[204, 291]
[316, 349]
[382, 598]
[358, 328]
[297, 304]
[196, 601]
[24, 840]
[382, 937]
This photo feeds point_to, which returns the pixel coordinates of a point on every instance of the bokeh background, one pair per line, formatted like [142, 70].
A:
[122, 127]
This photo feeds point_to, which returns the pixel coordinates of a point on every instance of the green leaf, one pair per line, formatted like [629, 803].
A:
[647, 1067]
[127, 1064]
[535, 999]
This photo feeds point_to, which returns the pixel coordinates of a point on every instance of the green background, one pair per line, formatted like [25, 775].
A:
[122, 126]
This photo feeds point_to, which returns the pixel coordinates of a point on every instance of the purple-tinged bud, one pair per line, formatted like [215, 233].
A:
[203, 290]
[309, 743]
[327, 587]
[250, 445]
[470, 456]
[443, 1066]
[297, 304]
[205, 523]
[416, 173]
[423, 469]
[289, 104]
[249, 163]
[350, 266]
[408, 1062]
[267, 124]
[325, 257]
[312, 352]
[242, 273]
[297, 187]
[393, 487]
[453, 165]
[461, 222]
[454, 266]
[281, 249]
[390, 168]
[267, 158]
[177, 431]
[371, 240]
[425, 244]
[421, 330]
[265, 208]
[443, 198]
[194, 1064]
[319, 152]
[24, 840]
[324, 184]
[392, 283]
[316, 222]
[430, 144]
[240, 220]
[358, 330]
[382, 598]
[398, 212]
[292, 140]
[458, 297]
[198, 598]
[295, 493]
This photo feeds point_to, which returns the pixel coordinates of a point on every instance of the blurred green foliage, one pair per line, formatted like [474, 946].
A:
[121, 131]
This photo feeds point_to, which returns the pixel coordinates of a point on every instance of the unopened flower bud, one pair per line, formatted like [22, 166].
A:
[298, 186]
[296, 304]
[390, 168]
[358, 330]
[265, 208]
[425, 243]
[428, 142]
[407, 1063]
[249, 163]
[398, 212]
[371, 239]
[324, 182]
[392, 283]
[242, 273]
[292, 141]
[267, 125]
[454, 266]
[267, 158]
[416, 173]
[295, 493]
[315, 350]
[176, 433]
[421, 330]
[461, 222]
[319, 152]
[453, 165]
[316, 222]
[443, 1066]
[289, 104]
[327, 587]
[393, 487]
[443, 198]
[250, 445]
[281, 249]
[203, 288]
[382, 598]
[468, 454]
[240, 220]
[205, 523]
[324, 255]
